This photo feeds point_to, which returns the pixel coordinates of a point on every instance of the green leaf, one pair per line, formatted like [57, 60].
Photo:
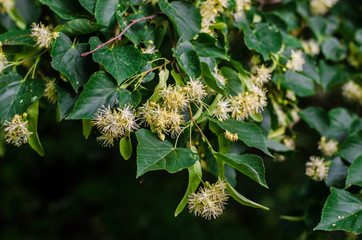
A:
[210, 80]
[105, 11]
[17, 37]
[33, 140]
[195, 174]
[354, 176]
[184, 16]
[301, 85]
[355, 126]
[317, 119]
[129, 98]
[224, 144]
[89, 5]
[80, 27]
[191, 63]
[137, 31]
[17, 95]
[154, 154]
[337, 173]
[263, 39]
[340, 121]
[205, 46]
[87, 127]
[248, 164]
[125, 147]
[333, 50]
[101, 90]
[351, 147]
[342, 211]
[277, 146]
[155, 33]
[247, 132]
[234, 84]
[330, 74]
[67, 99]
[241, 199]
[66, 9]
[358, 36]
[121, 62]
[67, 60]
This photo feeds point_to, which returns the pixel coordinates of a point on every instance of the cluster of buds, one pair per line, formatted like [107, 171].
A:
[50, 92]
[209, 10]
[328, 148]
[232, 137]
[209, 202]
[16, 131]
[6, 5]
[352, 91]
[43, 35]
[320, 7]
[166, 116]
[297, 61]
[114, 123]
[316, 168]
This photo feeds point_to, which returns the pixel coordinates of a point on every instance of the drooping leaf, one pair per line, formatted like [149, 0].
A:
[248, 164]
[67, 99]
[354, 176]
[100, 90]
[80, 26]
[17, 37]
[351, 147]
[34, 140]
[67, 60]
[66, 9]
[317, 119]
[247, 132]
[87, 127]
[195, 174]
[342, 211]
[125, 147]
[184, 16]
[205, 46]
[105, 11]
[154, 154]
[17, 95]
[121, 62]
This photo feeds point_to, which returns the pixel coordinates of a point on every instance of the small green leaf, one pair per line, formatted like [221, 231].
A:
[105, 11]
[66, 9]
[80, 27]
[248, 164]
[301, 85]
[87, 127]
[342, 211]
[330, 75]
[137, 31]
[205, 46]
[33, 140]
[184, 16]
[100, 90]
[121, 62]
[247, 132]
[17, 37]
[241, 199]
[154, 154]
[67, 60]
[67, 99]
[154, 33]
[354, 176]
[340, 121]
[125, 147]
[351, 147]
[195, 175]
[17, 95]
[337, 173]
[257, 117]
[277, 146]
[129, 98]
[333, 50]
[317, 119]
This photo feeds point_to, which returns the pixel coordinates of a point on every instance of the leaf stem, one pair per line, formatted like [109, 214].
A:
[118, 37]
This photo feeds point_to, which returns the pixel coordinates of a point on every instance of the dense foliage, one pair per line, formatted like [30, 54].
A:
[212, 87]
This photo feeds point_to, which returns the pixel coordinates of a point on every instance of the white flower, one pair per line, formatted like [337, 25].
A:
[3, 62]
[320, 7]
[352, 91]
[195, 90]
[297, 61]
[151, 49]
[262, 76]
[174, 97]
[209, 11]
[311, 47]
[217, 74]
[316, 168]
[222, 110]
[241, 6]
[328, 148]
[43, 35]
[17, 131]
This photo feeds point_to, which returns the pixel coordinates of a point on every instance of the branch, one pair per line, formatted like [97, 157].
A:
[133, 22]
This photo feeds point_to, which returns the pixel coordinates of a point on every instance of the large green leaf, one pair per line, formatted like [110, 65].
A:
[105, 11]
[121, 62]
[67, 9]
[330, 74]
[154, 154]
[247, 132]
[264, 39]
[337, 173]
[34, 140]
[17, 95]
[317, 119]
[80, 27]
[301, 85]
[333, 50]
[342, 211]
[249, 164]
[184, 16]
[136, 32]
[351, 147]
[100, 90]
[67, 99]
[188, 59]
[67, 60]
[354, 176]
[340, 121]
[205, 46]
[195, 174]
[17, 37]
[89, 5]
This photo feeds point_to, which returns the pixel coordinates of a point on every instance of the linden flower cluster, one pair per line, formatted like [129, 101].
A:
[262, 76]
[311, 47]
[50, 92]
[6, 5]
[232, 137]
[209, 10]
[209, 201]
[43, 35]
[328, 148]
[166, 116]
[241, 106]
[320, 7]
[218, 75]
[241, 6]
[17, 131]
[297, 61]
[352, 91]
[114, 123]
[316, 168]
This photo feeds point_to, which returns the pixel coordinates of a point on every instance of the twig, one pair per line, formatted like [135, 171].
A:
[121, 34]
